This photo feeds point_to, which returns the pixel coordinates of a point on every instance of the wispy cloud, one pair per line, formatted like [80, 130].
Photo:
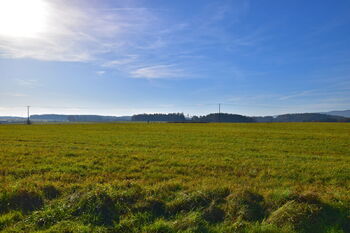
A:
[78, 33]
[29, 83]
[128, 59]
[15, 94]
[100, 72]
[140, 42]
[158, 71]
[297, 95]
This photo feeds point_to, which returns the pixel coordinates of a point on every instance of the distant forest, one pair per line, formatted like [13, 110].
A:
[227, 117]
[171, 117]
[222, 117]
[180, 117]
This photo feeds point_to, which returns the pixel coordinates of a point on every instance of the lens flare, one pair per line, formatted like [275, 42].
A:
[22, 18]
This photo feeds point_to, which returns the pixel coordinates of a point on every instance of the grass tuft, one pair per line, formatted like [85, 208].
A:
[24, 200]
[191, 222]
[10, 218]
[246, 205]
[185, 202]
[155, 206]
[213, 214]
[50, 192]
[301, 216]
[160, 226]
[97, 207]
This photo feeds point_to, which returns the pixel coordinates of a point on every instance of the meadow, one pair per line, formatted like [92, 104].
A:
[163, 177]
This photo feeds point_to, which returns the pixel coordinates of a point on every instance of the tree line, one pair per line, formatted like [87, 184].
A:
[235, 118]
[170, 117]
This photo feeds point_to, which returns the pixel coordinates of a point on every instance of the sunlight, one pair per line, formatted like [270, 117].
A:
[22, 18]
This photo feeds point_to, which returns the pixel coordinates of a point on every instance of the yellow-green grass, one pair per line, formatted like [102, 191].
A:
[166, 161]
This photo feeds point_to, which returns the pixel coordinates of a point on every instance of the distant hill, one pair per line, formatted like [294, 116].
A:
[11, 119]
[49, 117]
[344, 113]
[77, 118]
[65, 118]
[309, 117]
[302, 117]
[96, 118]
[179, 117]
[264, 119]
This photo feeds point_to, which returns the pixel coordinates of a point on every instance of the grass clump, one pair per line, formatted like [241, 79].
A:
[159, 226]
[267, 228]
[308, 197]
[134, 222]
[97, 207]
[217, 194]
[3, 202]
[165, 190]
[299, 215]
[10, 218]
[51, 215]
[128, 194]
[213, 214]
[277, 198]
[70, 227]
[50, 192]
[186, 202]
[22, 200]
[245, 205]
[155, 206]
[192, 222]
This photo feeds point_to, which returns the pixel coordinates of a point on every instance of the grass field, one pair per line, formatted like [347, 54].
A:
[136, 177]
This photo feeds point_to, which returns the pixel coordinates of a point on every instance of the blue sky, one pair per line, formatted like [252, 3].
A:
[124, 57]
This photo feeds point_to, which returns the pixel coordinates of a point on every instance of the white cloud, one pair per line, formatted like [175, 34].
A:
[157, 71]
[31, 83]
[100, 72]
[120, 62]
[139, 42]
[297, 95]
[78, 33]
[86, 34]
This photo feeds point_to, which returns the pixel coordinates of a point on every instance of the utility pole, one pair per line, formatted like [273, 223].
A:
[219, 112]
[28, 115]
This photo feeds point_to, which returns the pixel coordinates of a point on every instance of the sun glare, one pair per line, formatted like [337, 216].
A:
[22, 18]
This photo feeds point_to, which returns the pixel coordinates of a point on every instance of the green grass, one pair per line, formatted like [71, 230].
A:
[135, 177]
